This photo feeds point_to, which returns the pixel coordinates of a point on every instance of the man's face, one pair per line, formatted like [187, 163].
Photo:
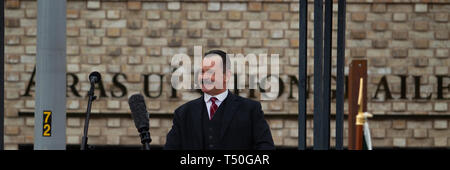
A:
[212, 76]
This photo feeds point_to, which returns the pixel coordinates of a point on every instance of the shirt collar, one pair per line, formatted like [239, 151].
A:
[221, 97]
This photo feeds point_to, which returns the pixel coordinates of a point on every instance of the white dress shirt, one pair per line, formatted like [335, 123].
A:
[220, 98]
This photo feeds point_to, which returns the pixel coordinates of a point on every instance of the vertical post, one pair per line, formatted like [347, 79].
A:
[327, 71]
[340, 79]
[50, 110]
[319, 136]
[2, 68]
[357, 70]
[302, 84]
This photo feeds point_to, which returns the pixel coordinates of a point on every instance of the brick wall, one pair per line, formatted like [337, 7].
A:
[135, 38]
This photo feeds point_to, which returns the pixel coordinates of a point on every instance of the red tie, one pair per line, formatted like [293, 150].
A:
[213, 107]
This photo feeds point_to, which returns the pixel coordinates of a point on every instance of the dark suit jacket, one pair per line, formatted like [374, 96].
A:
[243, 126]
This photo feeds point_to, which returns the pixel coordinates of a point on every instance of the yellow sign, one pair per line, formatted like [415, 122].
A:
[47, 124]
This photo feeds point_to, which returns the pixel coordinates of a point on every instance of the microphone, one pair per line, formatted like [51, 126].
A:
[141, 118]
[95, 77]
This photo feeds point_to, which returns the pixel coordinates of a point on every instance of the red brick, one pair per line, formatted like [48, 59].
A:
[441, 17]
[134, 24]
[378, 8]
[359, 17]
[72, 13]
[379, 25]
[400, 35]
[113, 32]
[153, 33]
[93, 23]
[399, 17]
[378, 61]
[153, 51]
[12, 4]
[153, 15]
[12, 40]
[234, 15]
[134, 5]
[420, 62]
[134, 41]
[12, 130]
[114, 51]
[358, 52]
[399, 52]
[93, 41]
[421, 26]
[254, 6]
[12, 22]
[12, 58]
[213, 42]
[194, 33]
[294, 43]
[358, 34]
[276, 16]
[174, 42]
[441, 35]
[421, 44]
[379, 43]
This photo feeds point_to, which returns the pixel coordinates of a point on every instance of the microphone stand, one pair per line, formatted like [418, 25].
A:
[92, 97]
[145, 139]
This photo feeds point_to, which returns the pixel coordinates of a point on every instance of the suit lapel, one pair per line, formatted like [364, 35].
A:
[230, 109]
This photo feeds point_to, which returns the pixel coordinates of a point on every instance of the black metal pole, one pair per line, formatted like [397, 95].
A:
[92, 97]
[340, 79]
[319, 137]
[145, 139]
[327, 71]
[2, 64]
[302, 62]
[146, 146]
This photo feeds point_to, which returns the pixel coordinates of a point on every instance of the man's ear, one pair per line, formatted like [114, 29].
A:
[227, 75]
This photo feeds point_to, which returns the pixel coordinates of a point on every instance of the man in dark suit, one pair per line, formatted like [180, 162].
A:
[219, 120]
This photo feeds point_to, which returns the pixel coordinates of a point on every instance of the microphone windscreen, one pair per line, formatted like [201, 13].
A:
[139, 112]
[95, 74]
